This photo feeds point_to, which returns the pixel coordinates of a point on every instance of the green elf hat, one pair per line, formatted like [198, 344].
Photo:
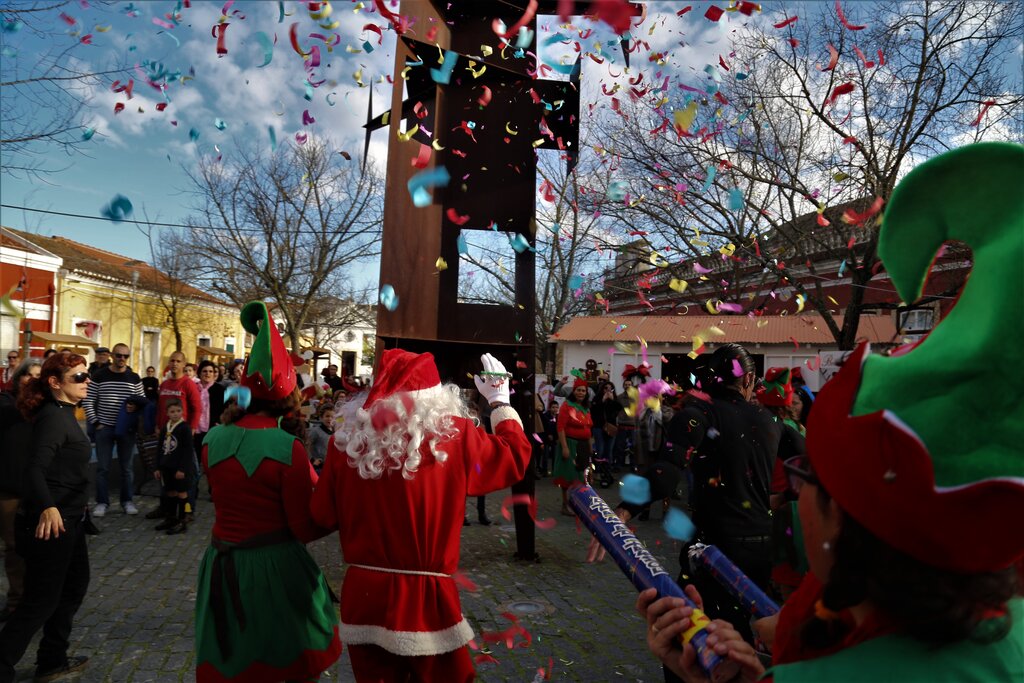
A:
[269, 372]
[777, 389]
[925, 448]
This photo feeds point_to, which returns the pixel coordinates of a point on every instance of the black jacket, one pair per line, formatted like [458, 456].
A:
[177, 452]
[16, 438]
[57, 469]
[734, 444]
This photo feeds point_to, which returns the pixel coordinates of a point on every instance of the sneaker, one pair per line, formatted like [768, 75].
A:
[130, 509]
[72, 665]
[100, 510]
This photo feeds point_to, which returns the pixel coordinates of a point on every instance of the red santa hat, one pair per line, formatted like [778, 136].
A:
[402, 371]
[269, 372]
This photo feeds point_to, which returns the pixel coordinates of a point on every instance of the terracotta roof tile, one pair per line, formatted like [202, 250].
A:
[805, 329]
[87, 259]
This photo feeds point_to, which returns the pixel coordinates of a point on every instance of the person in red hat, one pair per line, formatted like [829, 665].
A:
[575, 441]
[911, 495]
[777, 395]
[397, 495]
[263, 608]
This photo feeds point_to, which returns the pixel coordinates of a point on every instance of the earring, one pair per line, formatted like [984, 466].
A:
[826, 546]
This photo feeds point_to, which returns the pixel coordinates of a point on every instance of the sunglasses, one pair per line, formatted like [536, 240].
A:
[79, 377]
[798, 472]
[122, 355]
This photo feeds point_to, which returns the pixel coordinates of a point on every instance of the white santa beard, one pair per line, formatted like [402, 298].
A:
[396, 447]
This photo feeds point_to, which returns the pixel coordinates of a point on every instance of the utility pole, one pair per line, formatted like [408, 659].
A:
[131, 337]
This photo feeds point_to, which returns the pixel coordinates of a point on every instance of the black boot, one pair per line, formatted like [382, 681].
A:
[481, 511]
[158, 512]
[168, 506]
[179, 526]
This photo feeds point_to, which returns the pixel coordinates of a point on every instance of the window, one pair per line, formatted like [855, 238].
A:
[204, 340]
[487, 270]
[348, 337]
[918, 320]
[229, 343]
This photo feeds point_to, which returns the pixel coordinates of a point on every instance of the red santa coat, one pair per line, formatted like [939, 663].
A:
[402, 536]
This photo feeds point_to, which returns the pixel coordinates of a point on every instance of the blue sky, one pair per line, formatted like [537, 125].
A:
[143, 155]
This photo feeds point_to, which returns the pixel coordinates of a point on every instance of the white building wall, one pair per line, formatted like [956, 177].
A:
[576, 354]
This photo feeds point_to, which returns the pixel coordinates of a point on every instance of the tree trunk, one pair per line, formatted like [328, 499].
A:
[851, 317]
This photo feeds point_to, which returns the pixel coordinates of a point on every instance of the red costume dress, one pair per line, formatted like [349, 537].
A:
[263, 607]
[401, 536]
[574, 420]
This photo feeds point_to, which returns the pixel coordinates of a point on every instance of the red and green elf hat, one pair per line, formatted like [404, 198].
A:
[777, 389]
[269, 372]
[925, 448]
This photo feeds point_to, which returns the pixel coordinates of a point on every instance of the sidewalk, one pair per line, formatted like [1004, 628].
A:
[136, 622]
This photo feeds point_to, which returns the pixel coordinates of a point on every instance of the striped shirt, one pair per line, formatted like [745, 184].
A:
[107, 393]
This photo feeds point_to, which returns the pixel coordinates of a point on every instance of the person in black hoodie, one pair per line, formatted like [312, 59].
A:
[16, 436]
[51, 523]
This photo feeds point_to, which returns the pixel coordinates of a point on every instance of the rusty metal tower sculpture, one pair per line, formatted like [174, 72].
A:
[482, 115]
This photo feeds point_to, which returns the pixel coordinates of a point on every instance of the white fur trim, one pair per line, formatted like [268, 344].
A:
[502, 413]
[408, 643]
[418, 395]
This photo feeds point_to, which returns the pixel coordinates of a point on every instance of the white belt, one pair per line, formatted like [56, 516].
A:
[390, 570]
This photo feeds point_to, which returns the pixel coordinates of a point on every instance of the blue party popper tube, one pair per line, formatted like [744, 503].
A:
[733, 580]
[637, 563]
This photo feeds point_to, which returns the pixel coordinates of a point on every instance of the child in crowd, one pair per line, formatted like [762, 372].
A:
[318, 438]
[177, 453]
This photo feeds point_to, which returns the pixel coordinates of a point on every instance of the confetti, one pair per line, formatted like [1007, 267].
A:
[420, 183]
[678, 526]
[635, 489]
[268, 47]
[843, 20]
[119, 209]
[388, 297]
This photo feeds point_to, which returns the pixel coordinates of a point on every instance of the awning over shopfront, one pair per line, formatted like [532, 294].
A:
[52, 340]
[202, 351]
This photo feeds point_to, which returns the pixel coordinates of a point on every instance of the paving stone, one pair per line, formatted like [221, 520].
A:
[137, 619]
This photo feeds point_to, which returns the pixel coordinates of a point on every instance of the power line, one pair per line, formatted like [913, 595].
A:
[146, 223]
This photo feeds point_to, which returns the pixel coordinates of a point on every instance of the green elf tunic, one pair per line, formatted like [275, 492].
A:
[901, 659]
[263, 608]
[575, 421]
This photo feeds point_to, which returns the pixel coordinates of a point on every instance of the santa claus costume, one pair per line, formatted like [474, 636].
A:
[263, 608]
[397, 495]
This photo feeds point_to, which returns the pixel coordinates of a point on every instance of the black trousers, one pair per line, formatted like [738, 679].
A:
[56, 580]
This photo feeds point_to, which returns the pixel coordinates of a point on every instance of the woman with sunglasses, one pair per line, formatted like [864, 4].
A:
[911, 494]
[51, 522]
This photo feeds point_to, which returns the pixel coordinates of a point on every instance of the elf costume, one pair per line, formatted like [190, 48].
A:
[925, 448]
[575, 422]
[263, 608]
[397, 496]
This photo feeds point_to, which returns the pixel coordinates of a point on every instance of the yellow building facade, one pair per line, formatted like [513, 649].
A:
[109, 299]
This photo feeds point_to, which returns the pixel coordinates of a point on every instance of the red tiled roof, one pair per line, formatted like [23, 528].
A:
[86, 259]
[805, 329]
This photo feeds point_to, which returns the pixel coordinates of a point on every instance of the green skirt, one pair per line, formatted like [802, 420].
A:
[564, 472]
[291, 625]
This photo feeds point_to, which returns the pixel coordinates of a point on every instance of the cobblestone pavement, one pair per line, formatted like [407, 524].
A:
[136, 622]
